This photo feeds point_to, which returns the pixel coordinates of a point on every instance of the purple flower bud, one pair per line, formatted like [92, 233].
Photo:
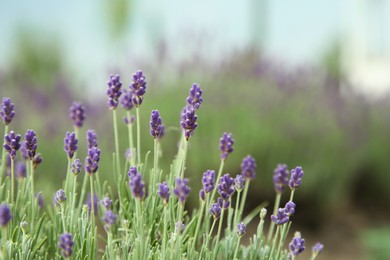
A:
[297, 244]
[24, 153]
[109, 219]
[7, 111]
[195, 96]
[21, 171]
[92, 160]
[77, 114]
[132, 172]
[239, 182]
[38, 196]
[88, 202]
[226, 145]
[156, 125]
[290, 208]
[114, 91]
[66, 244]
[248, 168]
[317, 248]
[163, 192]
[223, 204]
[76, 167]
[30, 144]
[5, 214]
[12, 143]
[280, 177]
[179, 227]
[126, 100]
[181, 189]
[91, 138]
[215, 210]
[225, 186]
[241, 229]
[70, 144]
[106, 203]
[202, 194]
[127, 121]
[37, 160]
[208, 181]
[281, 217]
[60, 196]
[296, 178]
[188, 121]
[138, 88]
[136, 184]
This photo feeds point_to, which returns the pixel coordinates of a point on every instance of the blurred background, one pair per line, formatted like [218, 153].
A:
[302, 83]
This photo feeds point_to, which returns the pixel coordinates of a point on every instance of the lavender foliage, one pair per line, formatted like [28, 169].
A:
[77, 114]
[226, 145]
[114, 91]
[12, 143]
[7, 111]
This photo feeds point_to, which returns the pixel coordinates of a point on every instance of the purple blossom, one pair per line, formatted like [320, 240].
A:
[126, 100]
[30, 144]
[281, 217]
[241, 229]
[290, 208]
[181, 189]
[215, 210]
[163, 192]
[138, 88]
[317, 248]
[114, 91]
[21, 171]
[7, 111]
[248, 168]
[37, 160]
[92, 160]
[5, 214]
[239, 182]
[225, 186]
[88, 202]
[297, 245]
[127, 121]
[24, 153]
[188, 121]
[280, 177]
[12, 143]
[226, 145]
[66, 244]
[223, 204]
[77, 114]
[39, 197]
[156, 125]
[208, 181]
[76, 167]
[106, 203]
[195, 96]
[136, 184]
[179, 227]
[91, 138]
[70, 144]
[60, 196]
[132, 172]
[296, 178]
[109, 219]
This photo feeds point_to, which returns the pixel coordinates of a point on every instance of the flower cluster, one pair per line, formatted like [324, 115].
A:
[12, 143]
[248, 168]
[114, 91]
[225, 188]
[7, 111]
[70, 144]
[208, 183]
[181, 189]
[156, 125]
[188, 121]
[280, 177]
[296, 178]
[30, 144]
[5, 215]
[226, 145]
[136, 184]
[195, 96]
[163, 192]
[66, 243]
[92, 160]
[77, 114]
[138, 88]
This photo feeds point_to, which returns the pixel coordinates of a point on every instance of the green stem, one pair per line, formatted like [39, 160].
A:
[183, 164]
[116, 144]
[92, 205]
[281, 239]
[236, 213]
[242, 202]
[276, 206]
[131, 143]
[138, 137]
[237, 246]
[83, 190]
[216, 180]
[155, 166]
[3, 154]
[165, 234]
[292, 195]
[218, 233]
[12, 179]
[63, 216]
[140, 225]
[210, 233]
[198, 224]
[33, 204]
[274, 242]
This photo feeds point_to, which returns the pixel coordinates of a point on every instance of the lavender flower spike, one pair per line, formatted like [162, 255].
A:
[156, 125]
[241, 229]
[106, 203]
[92, 160]
[239, 182]
[77, 114]
[317, 249]
[297, 245]
[91, 138]
[208, 181]
[225, 186]
[226, 145]
[280, 177]
[12, 143]
[60, 196]
[215, 211]
[137, 185]
[30, 144]
[66, 244]
[188, 122]
[181, 189]
[290, 208]
[76, 167]
[126, 100]
[70, 144]
[163, 192]
[248, 168]
[5, 215]
[114, 91]
[21, 171]
[109, 219]
[281, 217]
[138, 88]
[195, 96]
[7, 111]
[37, 160]
[88, 202]
[296, 178]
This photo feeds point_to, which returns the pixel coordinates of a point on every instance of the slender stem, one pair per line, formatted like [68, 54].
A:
[83, 190]
[236, 213]
[281, 239]
[32, 194]
[131, 143]
[165, 234]
[67, 191]
[292, 195]
[12, 179]
[140, 224]
[138, 137]
[3, 154]
[237, 246]
[116, 143]
[217, 179]
[276, 206]
[183, 164]
[219, 231]
[63, 216]
[274, 242]
[211, 232]
[155, 165]
[199, 221]
[92, 204]
[242, 202]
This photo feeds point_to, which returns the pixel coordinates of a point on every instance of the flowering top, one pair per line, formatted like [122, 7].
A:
[215, 210]
[106, 203]
[239, 182]
[5, 214]
[280, 177]
[92, 160]
[296, 178]
[77, 114]
[76, 167]
[37, 160]
[195, 96]
[70, 144]
[241, 228]
[156, 125]
[126, 100]
[136, 184]
[109, 219]
[226, 145]
[248, 167]
[114, 91]
[132, 172]
[88, 202]
[163, 192]
[66, 244]
[7, 111]
[138, 88]
[208, 183]
[181, 189]
[289, 208]
[60, 196]
[281, 217]
[21, 171]
[12, 143]
[297, 245]
[91, 138]
[317, 248]
[225, 186]
[30, 144]
[188, 121]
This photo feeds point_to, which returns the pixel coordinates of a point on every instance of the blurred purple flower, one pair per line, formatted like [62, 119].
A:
[88, 202]
[126, 100]
[296, 178]
[163, 192]
[195, 96]
[76, 167]
[281, 217]
[181, 189]
[21, 171]
[239, 182]
[297, 245]
[70, 144]
[7, 111]
[91, 138]
[156, 125]
[136, 184]
[92, 160]
[66, 244]
[280, 177]
[106, 202]
[215, 210]
[77, 114]
[248, 168]
[5, 214]
[225, 186]
[241, 229]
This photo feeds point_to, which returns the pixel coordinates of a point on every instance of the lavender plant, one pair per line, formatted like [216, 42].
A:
[140, 219]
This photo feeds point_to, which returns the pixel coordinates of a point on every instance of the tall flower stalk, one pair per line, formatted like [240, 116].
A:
[7, 113]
